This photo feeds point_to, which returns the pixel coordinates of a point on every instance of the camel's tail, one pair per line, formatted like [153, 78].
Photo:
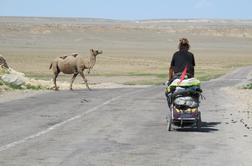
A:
[50, 66]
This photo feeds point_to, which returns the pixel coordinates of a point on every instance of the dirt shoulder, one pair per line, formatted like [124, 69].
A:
[242, 97]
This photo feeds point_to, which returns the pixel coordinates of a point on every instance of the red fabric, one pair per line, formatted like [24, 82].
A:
[183, 74]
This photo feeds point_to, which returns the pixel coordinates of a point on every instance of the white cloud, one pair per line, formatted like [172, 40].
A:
[202, 4]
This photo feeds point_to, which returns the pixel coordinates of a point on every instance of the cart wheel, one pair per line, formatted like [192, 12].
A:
[169, 124]
[198, 123]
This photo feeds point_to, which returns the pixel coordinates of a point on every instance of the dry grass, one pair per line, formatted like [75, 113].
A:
[132, 55]
[128, 69]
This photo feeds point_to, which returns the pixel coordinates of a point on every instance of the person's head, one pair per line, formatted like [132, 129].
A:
[184, 44]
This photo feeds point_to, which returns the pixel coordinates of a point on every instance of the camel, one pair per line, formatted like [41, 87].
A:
[73, 64]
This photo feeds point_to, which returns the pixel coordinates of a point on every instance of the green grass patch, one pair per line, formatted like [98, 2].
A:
[247, 86]
[3, 71]
[40, 76]
[158, 75]
[34, 87]
[145, 78]
[7, 86]
[207, 77]
[14, 87]
[148, 78]
[1, 82]
[146, 82]
[160, 78]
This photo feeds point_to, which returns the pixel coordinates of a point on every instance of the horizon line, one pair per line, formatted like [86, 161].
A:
[115, 19]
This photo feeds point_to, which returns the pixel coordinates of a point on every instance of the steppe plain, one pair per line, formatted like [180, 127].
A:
[135, 52]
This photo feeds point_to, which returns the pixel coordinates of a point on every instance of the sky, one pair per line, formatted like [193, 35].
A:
[130, 9]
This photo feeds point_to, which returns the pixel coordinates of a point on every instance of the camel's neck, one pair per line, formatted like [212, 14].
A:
[92, 61]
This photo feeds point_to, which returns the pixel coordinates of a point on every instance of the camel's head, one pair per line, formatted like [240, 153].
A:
[95, 52]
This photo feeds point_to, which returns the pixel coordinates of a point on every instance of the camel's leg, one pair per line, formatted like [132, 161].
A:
[72, 80]
[84, 79]
[54, 81]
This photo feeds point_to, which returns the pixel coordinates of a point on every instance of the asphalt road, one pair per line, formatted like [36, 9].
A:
[122, 127]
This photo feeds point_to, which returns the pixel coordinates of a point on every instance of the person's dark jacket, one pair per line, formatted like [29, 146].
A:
[179, 61]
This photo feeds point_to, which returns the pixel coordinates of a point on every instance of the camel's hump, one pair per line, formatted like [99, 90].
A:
[63, 57]
[74, 54]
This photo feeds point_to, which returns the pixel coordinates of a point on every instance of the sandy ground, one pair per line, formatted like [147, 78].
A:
[243, 102]
[244, 105]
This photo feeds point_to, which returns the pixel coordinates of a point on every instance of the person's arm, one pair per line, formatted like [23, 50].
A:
[171, 72]
[193, 63]
[193, 60]
[171, 69]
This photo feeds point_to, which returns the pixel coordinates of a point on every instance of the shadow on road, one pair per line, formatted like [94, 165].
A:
[205, 127]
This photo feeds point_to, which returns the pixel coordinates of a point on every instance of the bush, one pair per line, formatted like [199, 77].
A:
[20, 87]
[13, 86]
[3, 71]
[248, 86]
[33, 87]
[1, 82]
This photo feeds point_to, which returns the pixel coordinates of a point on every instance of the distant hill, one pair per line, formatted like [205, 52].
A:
[232, 28]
